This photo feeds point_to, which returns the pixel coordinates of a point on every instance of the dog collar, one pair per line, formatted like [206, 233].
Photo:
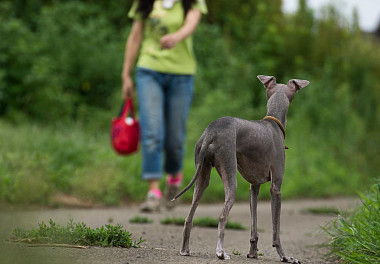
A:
[278, 122]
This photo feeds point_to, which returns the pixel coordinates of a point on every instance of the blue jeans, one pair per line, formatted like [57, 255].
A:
[164, 103]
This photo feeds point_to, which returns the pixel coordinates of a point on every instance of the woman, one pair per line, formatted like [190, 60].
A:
[162, 31]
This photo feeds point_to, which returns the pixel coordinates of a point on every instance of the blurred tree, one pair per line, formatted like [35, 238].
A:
[299, 41]
[115, 11]
[60, 67]
[263, 44]
[232, 16]
[355, 20]
[377, 31]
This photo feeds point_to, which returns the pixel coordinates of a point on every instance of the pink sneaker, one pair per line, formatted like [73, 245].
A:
[173, 184]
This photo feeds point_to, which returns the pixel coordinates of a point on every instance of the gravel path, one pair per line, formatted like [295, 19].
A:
[300, 234]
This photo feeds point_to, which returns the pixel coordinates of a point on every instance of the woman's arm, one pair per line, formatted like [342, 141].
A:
[131, 50]
[190, 24]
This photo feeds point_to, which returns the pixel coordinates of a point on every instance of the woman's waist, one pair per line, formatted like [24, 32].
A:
[168, 64]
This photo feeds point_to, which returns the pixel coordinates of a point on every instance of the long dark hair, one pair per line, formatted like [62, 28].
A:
[145, 6]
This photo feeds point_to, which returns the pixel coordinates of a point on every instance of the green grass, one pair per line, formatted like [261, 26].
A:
[140, 220]
[77, 160]
[173, 221]
[76, 234]
[322, 210]
[356, 238]
[202, 222]
[70, 159]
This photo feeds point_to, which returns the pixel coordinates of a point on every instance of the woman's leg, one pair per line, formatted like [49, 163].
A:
[151, 113]
[178, 96]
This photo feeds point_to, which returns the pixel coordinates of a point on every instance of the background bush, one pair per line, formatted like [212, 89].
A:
[60, 86]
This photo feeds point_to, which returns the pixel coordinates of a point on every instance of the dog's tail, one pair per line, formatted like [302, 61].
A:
[198, 171]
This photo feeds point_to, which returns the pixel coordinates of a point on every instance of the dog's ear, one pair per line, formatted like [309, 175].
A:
[268, 81]
[296, 84]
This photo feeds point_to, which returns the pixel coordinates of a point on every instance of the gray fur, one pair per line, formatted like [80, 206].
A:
[256, 150]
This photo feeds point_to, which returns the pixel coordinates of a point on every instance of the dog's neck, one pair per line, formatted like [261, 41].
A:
[277, 107]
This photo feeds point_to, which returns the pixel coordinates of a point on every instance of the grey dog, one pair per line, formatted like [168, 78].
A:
[256, 150]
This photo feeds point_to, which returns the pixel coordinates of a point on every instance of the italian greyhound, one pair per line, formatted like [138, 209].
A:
[256, 150]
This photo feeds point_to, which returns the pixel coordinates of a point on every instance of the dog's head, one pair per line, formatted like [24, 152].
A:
[289, 89]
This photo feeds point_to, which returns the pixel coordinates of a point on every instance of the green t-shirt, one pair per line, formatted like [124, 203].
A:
[161, 21]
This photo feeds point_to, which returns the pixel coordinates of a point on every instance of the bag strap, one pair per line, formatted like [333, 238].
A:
[128, 109]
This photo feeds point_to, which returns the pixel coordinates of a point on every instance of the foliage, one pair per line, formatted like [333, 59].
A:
[202, 222]
[58, 70]
[77, 234]
[355, 239]
[27, 11]
[60, 64]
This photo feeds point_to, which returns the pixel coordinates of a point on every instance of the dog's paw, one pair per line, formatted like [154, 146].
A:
[184, 252]
[290, 260]
[222, 255]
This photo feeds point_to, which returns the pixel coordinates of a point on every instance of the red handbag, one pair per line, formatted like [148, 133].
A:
[125, 130]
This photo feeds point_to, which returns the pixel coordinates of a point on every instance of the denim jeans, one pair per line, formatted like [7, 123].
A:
[164, 103]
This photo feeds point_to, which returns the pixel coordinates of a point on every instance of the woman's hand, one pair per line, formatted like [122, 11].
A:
[169, 41]
[127, 89]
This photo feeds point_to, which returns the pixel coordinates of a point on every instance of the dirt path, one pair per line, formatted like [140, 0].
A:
[300, 234]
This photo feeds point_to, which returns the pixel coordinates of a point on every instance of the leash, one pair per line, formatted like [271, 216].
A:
[278, 122]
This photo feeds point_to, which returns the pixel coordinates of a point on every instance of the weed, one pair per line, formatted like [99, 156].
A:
[236, 252]
[76, 234]
[213, 222]
[322, 210]
[356, 238]
[140, 220]
[173, 221]
[203, 222]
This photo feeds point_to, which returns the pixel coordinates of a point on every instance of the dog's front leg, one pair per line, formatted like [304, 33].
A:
[276, 211]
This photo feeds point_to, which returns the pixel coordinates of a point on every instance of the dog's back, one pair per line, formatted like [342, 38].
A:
[255, 143]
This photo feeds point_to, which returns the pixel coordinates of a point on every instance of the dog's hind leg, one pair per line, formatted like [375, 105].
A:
[227, 170]
[254, 192]
[200, 185]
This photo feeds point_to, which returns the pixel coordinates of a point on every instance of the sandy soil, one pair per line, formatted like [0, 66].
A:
[300, 234]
